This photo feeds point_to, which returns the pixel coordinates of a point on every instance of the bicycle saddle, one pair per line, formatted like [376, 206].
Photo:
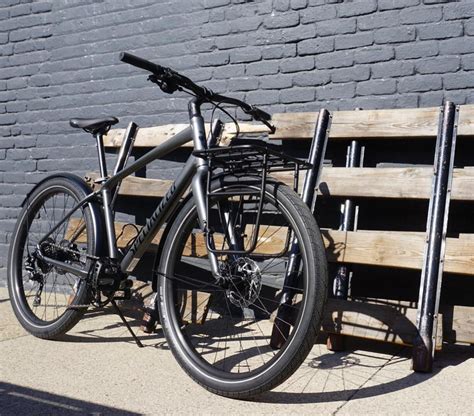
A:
[94, 125]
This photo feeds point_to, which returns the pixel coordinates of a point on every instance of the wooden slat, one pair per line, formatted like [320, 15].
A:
[390, 123]
[466, 120]
[377, 182]
[406, 183]
[359, 182]
[395, 249]
[463, 324]
[400, 123]
[382, 248]
[153, 136]
[374, 320]
[139, 187]
[125, 233]
[459, 256]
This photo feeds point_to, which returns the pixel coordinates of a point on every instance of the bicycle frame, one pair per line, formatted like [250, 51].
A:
[194, 173]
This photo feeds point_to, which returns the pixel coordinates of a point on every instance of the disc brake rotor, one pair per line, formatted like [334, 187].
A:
[245, 282]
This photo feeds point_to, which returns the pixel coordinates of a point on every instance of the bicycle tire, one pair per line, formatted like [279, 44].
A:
[190, 349]
[40, 312]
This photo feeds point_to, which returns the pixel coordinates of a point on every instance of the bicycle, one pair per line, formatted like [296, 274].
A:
[241, 248]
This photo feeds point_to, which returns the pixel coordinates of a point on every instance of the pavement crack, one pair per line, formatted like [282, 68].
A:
[12, 338]
[366, 381]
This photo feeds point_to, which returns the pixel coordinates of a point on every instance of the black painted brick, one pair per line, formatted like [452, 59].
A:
[438, 65]
[59, 60]
[356, 8]
[395, 35]
[441, 30]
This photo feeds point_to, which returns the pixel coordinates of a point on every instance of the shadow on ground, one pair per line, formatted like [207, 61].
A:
[17, 400]
[372, 361]
[452, 355]
[104, 333]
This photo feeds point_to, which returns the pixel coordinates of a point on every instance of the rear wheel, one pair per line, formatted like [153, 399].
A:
[221, 332]
[44, 297]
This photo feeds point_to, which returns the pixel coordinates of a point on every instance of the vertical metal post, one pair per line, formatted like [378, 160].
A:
[124, 154]
[335, 342]
[341, 282]
[316, 158]
[126, 147]
[433, 262]
[281, 327]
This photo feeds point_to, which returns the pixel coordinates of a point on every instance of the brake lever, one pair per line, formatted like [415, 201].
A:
[166, 85]
[269, 125]
[262, 116]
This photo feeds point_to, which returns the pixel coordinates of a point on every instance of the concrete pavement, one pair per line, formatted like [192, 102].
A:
[98, 370]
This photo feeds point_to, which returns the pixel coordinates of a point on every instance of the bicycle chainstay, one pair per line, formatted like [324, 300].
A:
[93, 277]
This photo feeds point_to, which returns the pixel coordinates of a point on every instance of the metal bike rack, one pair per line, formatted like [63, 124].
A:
[316, 158]
[433, 260]
[354, 158]
[308, 195]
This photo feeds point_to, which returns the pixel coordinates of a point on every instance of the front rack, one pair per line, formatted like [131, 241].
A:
[249, 158]
[245, 159]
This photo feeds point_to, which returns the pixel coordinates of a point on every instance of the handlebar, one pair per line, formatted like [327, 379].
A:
[170, 81]
[141, 63]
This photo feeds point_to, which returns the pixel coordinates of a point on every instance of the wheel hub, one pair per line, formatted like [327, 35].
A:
[245, 282]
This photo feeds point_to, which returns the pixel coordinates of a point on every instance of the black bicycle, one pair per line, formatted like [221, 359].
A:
[242, 274]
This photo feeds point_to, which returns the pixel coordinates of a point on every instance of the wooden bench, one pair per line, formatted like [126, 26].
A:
[391, 320]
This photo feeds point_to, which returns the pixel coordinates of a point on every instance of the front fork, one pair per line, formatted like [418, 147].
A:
[199, 181]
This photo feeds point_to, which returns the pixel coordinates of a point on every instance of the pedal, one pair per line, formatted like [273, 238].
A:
[148, 324]
[125, 284]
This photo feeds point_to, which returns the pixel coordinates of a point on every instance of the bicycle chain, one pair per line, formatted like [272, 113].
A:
[89, 256]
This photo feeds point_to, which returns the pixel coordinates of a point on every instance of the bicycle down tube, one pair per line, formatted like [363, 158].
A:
[194, 172]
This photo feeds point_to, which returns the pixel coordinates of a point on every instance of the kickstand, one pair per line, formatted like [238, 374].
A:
[119, 313]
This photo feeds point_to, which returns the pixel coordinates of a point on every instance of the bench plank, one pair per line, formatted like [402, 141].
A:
[368, 124]
[466, 120]
[407, 183]
[463, 324]
[154, 136]
[381, 248]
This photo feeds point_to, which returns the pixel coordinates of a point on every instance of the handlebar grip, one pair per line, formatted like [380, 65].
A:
[140, 63]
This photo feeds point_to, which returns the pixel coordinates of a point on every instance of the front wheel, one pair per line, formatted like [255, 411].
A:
[221, 331]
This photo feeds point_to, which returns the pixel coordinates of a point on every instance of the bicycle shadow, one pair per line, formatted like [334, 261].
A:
[364, 358]
[98, 331]
[349, 360]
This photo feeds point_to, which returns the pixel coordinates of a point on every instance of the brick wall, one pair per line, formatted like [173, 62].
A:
[59, 59]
